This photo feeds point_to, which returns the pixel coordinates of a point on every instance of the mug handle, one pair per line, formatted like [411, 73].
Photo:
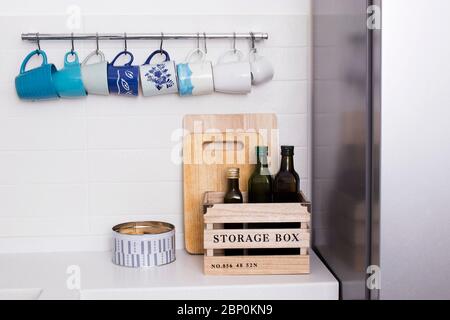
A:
[163, 52]
[191, 54]
[121, 53]
[67, 62]
[29, 56]
[93, 53]
[236, 52]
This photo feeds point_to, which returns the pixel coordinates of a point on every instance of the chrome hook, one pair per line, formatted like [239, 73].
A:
[204, 40]
[96, 43]
[161, 43]
[38, 41]
[253, 48]
[72, 50]
[198, 40]
[234, 42]
[125, 41]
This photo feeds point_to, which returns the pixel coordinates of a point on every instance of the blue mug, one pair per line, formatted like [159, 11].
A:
[123, 80]
[68, 81]
[37, 83]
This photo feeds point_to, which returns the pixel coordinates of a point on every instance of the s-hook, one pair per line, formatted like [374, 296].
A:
[38, 43]
[234, 42]
[161, 43]
[96, 43]
[72, 50]
[204, 40]
[125, 41]
[198, 40]
[253, 48]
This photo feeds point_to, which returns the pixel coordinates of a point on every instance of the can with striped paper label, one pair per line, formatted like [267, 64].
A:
[143, 244]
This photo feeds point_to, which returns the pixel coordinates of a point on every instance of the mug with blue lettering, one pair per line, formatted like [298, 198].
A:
[195, 77]
[123, 80]
[37, 83]
[68, 80]
[159, 78]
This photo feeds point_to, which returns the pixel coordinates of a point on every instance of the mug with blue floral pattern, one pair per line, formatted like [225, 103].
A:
[123, 80]
[158, 78]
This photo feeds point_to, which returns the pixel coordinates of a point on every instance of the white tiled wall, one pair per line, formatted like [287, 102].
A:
[71, 169]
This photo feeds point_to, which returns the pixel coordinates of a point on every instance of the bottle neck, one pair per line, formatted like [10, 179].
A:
[261, 161]
[287, 163]
[233, 184]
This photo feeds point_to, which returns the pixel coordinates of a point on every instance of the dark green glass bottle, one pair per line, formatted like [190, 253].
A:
[260, 182]
[286, 189]
[260, 186]
[233, 195]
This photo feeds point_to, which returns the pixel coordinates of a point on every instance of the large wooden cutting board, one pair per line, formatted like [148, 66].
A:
[213, 143]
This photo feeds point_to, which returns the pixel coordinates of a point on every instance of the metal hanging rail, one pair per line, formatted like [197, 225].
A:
[141, 36]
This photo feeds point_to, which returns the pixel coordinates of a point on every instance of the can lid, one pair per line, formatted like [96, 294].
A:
[143, 227]
[233, 173]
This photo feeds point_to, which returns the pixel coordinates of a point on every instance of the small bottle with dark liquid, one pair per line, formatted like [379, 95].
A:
[233, 195]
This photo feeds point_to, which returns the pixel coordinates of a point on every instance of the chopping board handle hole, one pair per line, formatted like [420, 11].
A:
[223, 146]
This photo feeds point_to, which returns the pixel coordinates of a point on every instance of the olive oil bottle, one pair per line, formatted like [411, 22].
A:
[286, 189]
[287, 181]
[233, 195]
[260, 183]
[260, 190]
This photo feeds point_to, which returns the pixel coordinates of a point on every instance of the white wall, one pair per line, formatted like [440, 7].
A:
[415, 150]
[70, 170]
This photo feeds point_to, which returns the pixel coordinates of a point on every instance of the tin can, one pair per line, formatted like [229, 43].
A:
[143, 244]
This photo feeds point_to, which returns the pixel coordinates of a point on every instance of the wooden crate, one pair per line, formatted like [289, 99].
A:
[217, 238]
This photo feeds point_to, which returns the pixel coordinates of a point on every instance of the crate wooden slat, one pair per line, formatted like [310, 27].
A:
[301, 235]
[217, 238]
[257, 265]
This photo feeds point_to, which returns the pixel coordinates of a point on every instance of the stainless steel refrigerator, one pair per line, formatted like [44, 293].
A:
[345, 145]
[379, 192]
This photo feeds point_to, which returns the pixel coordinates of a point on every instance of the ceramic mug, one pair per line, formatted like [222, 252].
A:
[95, 75]
[68, 80]
[195, 78]
[232, 77]
[262, 69]
[37, 83]
[159, 78]
[123, 80]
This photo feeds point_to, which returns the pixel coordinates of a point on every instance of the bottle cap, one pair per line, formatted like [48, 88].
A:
[233, 173]
[262, 150]
[287, 150]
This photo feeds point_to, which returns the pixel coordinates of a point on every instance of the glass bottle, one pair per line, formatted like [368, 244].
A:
[260, 185]
[287, 181]
[286, 189]
[233, 195]
[260, 182]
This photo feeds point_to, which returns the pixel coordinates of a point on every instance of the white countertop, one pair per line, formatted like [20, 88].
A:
[47, 275]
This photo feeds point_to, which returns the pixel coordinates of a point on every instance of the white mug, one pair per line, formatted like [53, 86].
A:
[232, 77]
[195, 78]
[261, 68]
[95, 75]
[159, 78]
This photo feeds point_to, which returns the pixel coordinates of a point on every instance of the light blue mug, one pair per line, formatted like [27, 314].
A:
[37, 83]
[68, 81]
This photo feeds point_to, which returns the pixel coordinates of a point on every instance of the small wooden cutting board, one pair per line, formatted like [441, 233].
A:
[211, 144]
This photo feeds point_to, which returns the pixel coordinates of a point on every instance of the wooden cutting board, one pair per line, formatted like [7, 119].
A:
[213, 143]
